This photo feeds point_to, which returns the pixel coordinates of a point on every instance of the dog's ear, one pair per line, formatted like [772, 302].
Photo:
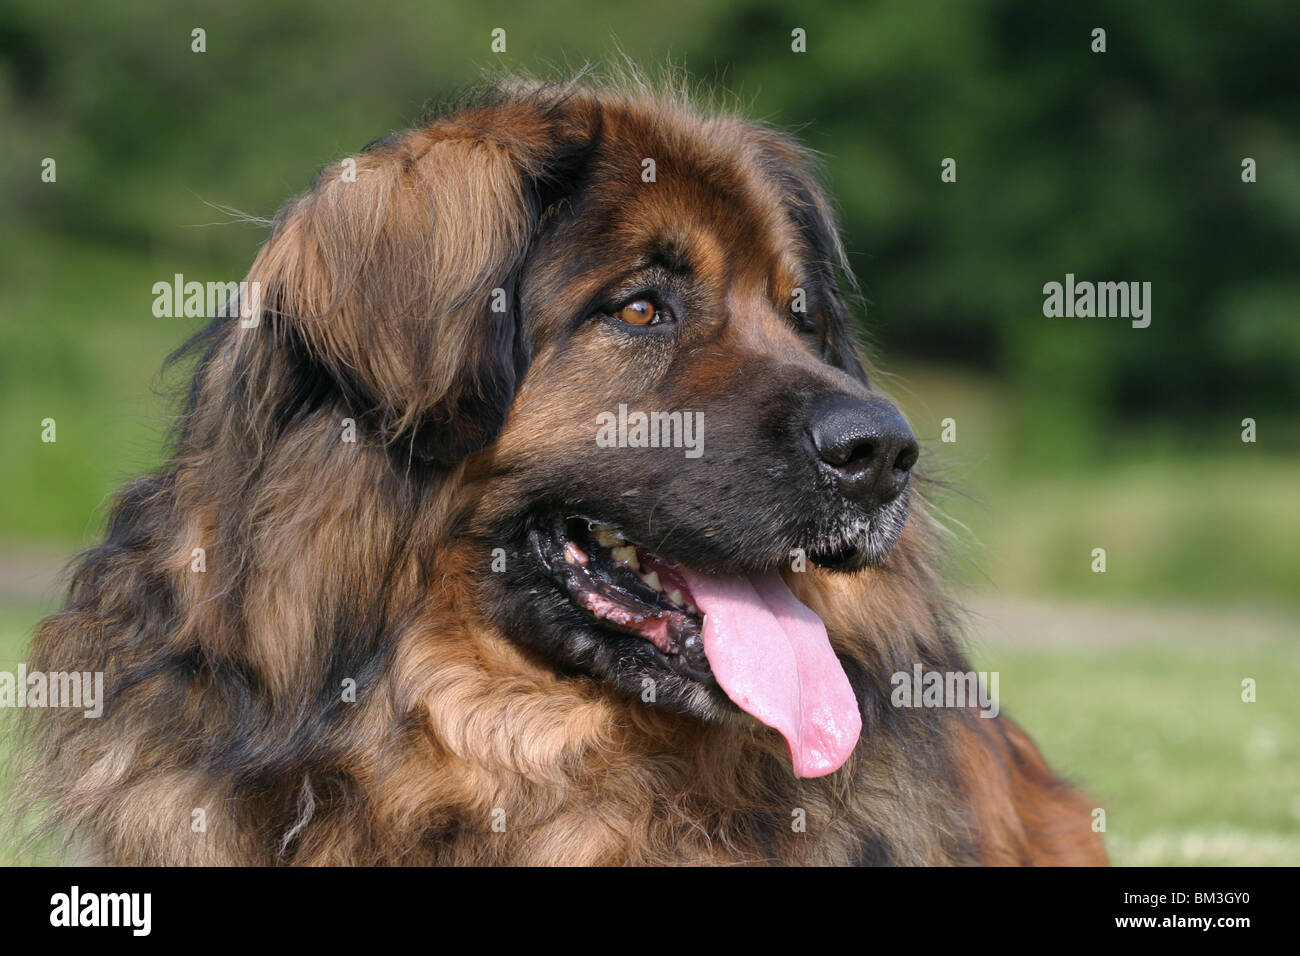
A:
[396, 273]
[795, 171]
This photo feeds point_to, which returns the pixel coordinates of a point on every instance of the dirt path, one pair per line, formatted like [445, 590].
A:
[1024, 621]
[32, 575]
[35, 577]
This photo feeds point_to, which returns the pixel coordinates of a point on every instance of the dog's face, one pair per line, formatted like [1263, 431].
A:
[658, 403]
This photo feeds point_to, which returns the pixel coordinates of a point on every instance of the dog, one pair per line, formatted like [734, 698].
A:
[539, 509]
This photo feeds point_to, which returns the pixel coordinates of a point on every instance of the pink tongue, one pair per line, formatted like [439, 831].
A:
[770, 654]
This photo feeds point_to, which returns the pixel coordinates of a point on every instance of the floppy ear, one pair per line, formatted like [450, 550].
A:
[396, 273]
[795, 170]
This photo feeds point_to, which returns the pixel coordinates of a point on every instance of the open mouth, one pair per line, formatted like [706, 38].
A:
[625, 588]
[747, 632]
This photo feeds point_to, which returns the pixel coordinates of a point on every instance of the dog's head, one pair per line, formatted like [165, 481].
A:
[615, 326]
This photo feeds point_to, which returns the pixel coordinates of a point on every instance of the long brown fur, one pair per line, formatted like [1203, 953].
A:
[228, 737]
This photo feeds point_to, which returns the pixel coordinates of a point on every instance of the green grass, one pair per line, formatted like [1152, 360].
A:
[17, 621]
[1157, 731]
[80, 345]
[1142, 707]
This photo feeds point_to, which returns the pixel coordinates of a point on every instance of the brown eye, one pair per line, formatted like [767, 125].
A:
[638, 312]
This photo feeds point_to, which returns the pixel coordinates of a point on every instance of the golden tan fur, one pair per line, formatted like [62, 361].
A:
[329, 562]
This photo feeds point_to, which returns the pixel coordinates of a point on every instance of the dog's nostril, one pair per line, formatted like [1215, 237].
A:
[860, 457]
[906, 459]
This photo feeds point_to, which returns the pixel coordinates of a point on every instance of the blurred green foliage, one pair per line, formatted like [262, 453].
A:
[1122, 165]
[1117, 166]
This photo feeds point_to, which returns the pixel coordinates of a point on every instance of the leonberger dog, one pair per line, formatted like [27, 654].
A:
[541, 511]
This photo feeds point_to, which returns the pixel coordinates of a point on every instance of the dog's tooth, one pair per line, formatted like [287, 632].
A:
[652, 580]
[675, 596]
[626, 555]
[573, 554]
[606, 536]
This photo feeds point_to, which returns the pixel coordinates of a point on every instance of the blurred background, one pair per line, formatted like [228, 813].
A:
[1071, 434]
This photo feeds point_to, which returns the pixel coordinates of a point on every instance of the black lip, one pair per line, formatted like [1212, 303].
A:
[848, 558]
[547, 540]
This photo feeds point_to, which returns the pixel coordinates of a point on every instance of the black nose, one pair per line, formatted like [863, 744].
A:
[866, 445]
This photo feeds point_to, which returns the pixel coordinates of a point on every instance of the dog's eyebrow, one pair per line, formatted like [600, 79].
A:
[671, 255]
